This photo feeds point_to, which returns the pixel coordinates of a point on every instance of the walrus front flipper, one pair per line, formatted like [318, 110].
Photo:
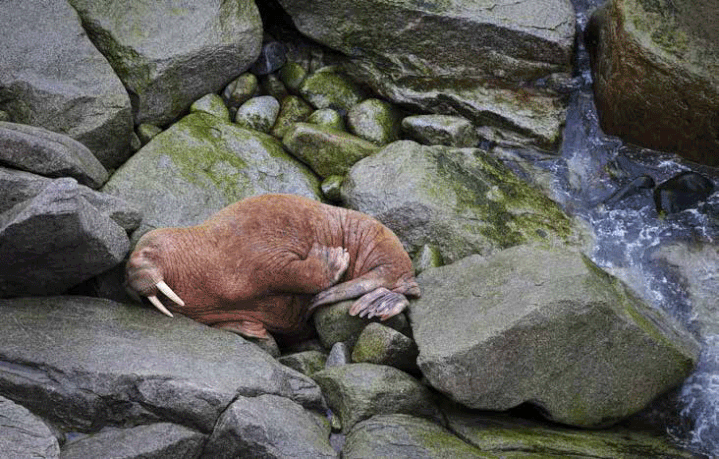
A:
[380, 303]
[346, 291]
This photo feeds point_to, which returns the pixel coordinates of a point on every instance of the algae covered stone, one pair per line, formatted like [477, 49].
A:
[328, 89]
[374, 120]
[548, 327]
[200, 165]
[461, 200]
[327, 151]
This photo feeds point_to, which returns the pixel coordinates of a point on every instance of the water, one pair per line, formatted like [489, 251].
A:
[632, 239]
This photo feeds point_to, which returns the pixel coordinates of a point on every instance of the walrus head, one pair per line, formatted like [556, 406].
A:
[143, 276]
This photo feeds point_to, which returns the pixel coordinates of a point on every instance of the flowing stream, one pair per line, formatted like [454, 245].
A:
[629, 232]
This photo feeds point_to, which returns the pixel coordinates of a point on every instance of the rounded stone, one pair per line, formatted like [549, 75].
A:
[258, 113]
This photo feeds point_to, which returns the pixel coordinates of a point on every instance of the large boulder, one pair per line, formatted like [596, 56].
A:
[201, 164]
[22, 434]
[425, 54]
[655, 74]
[47, 153]
[461, 200]
[172, 53]
[56, 240]
[545, 326]
[52, 76]
[87, 363]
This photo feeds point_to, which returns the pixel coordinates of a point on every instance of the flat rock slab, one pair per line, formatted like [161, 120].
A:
[87, 363]
[22, 434]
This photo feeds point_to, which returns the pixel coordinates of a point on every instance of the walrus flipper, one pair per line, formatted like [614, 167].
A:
[346, 291]
[381, 303]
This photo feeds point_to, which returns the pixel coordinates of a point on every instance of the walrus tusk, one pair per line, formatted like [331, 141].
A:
[164, 288]
[155, 302]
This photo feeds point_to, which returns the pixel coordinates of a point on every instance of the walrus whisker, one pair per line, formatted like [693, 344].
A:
[164, 288]
[155, 302]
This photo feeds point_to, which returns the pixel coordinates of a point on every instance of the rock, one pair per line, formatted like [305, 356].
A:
[428, 58]
[545, 326]
[331, 188]
[268, 426]
[273, 86]
[406, 436]
[634, 187]
[329, 118]
[681, 192]
[22, 434]
[334, 324]
[359, 391]
[161, 441]
[292, 110]
[212, 104]
[258, 113]
[56, 240]
[374, 120]
[385, 346]
[328, 89]
[340, 355]
[147, 132]
[306, 362]
[503, 436]
[17, 186]
[654, 72]
[53, 77]
[325, 150]
[175, 52]
[292, 75]
[103, 363]
[242, 89]
[200, 165]
[428, 256]
[34, 149]
[452, 131]
[463, 201]
[273, 56]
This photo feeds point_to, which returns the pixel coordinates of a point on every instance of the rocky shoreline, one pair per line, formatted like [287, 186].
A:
[520, 344]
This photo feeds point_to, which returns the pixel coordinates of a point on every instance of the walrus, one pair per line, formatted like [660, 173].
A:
[265, 263]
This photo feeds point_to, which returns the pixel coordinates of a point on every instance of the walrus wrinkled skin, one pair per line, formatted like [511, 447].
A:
[266, 262]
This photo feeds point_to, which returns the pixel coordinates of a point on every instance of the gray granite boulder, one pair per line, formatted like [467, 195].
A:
[654, 68]
[157, 441]
[463, 201]
[269, 426]
[56, 240]
[402, 436]
[170, 54]
[358, 391]
[425, 55]
[101, 363]
[47, 153]
[212, 104]
[22, 434]
[200, 165]
[545, 326]
[52, 76]
[258, 113]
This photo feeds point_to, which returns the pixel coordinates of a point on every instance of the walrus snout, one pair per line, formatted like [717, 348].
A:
[143, 276]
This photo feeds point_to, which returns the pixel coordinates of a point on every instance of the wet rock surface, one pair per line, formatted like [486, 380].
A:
[114, 378]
